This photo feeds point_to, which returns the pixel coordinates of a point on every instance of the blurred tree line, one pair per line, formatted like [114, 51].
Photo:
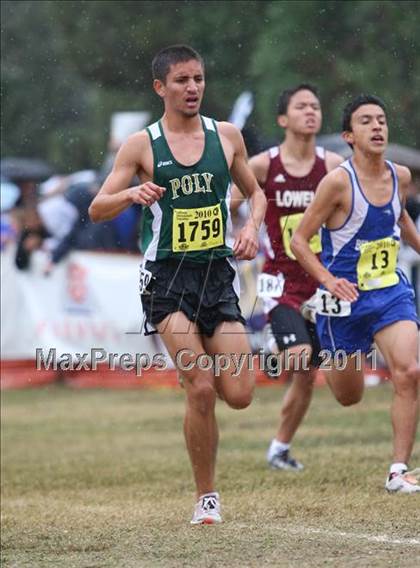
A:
[68, 65]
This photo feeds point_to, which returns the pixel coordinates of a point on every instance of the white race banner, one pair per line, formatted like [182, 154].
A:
[91, 300]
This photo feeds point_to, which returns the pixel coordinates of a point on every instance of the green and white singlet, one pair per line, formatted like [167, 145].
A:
[192, 218]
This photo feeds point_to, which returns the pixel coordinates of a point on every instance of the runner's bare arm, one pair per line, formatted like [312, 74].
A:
[259, 164]
[409, 232]
[115, 194]
[327, 198]
[332, 160]
[246, 244]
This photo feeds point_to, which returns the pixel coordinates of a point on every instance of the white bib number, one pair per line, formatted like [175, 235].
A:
[328, 305]
[269, 286]
[145, 277]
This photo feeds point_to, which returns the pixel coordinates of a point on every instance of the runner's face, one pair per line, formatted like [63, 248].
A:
[303, 114]
[369, 129]
[183, 89]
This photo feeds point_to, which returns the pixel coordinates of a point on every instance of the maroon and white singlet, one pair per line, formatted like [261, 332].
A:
[287, 197]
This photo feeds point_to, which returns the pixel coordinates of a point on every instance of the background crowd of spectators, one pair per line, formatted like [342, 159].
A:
[50, 212]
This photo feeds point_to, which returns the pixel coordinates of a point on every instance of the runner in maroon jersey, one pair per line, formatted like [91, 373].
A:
[289, 174]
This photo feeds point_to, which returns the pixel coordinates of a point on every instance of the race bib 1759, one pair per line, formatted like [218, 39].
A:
[197, 229]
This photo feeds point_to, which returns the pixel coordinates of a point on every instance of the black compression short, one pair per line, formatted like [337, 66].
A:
[289, 329]
[202, 291]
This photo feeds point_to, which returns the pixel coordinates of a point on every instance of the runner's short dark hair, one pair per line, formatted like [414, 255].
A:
[287, 94]
[357, 102]
[171, 56]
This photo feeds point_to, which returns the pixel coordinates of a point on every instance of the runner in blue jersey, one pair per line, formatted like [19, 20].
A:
[364, 296]
[185, 163]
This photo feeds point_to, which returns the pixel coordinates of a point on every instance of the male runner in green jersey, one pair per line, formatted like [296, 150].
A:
[185, 163]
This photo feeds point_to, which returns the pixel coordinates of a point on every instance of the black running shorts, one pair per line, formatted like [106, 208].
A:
[290, 328]
[202, 291]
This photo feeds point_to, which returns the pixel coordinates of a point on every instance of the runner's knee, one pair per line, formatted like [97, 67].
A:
[406, 377]
[305, 380]
[348, 399]
[239, 395]
[348, 394]
[238, 401]
[201, 395]
[297, 359]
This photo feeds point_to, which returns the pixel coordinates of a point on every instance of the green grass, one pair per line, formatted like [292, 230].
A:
[99, 479]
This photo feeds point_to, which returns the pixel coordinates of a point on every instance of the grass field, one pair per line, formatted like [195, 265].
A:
[98, 479]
